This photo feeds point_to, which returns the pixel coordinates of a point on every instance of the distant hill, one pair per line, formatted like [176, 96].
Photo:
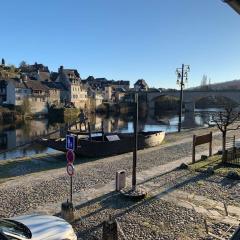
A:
[234, 84]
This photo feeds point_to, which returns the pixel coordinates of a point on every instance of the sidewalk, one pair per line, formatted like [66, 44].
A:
[142, 177]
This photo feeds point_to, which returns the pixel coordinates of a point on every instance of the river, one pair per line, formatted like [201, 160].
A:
[12, 136]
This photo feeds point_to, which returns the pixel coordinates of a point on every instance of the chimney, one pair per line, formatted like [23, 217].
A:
[60, 69]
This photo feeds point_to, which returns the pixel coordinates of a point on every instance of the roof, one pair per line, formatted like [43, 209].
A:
[35, 85]
[101, 79]
[119, 82]
[141, 82]
[54, 76]
[34, 68]
[71, 71]
[55, 85]
[17, 82]
[44, 76]
[120, 89]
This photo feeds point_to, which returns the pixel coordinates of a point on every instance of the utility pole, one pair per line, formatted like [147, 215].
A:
[134, 172]
[182, 78]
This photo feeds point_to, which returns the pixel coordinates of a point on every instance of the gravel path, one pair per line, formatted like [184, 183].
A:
[52, 186]
[150, 219]
[22, 193]
[214, 187]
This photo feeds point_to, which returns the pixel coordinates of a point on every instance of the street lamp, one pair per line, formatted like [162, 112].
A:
[235, 4]
[135, 124]
[182, 78]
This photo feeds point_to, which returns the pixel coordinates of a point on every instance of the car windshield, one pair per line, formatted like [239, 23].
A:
[14, 227]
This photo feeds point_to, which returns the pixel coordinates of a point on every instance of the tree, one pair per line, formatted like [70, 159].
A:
[224, 121]
[26, 106]
[204, 81]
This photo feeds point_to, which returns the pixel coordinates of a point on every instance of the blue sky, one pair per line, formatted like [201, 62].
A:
[125, 39]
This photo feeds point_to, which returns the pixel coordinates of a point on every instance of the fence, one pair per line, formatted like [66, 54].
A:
[233, 154]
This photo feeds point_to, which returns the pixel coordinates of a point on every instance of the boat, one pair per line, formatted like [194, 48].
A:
[107, 144]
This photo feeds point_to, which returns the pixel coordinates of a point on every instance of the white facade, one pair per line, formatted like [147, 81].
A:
[16, 93]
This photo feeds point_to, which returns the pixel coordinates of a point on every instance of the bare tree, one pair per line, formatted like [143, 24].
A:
[26, 106]
[225, 122]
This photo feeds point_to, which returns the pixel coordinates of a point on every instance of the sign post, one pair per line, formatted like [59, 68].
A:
[70, 146]
[67, 210]
[70, 171]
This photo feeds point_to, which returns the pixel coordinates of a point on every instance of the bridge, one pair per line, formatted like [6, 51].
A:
[191, 97]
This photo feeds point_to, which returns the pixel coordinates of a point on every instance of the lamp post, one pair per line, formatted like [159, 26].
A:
[134, 172]
[182, 77]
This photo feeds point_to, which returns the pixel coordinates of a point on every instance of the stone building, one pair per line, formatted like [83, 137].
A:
[141, 85]
[76, 93]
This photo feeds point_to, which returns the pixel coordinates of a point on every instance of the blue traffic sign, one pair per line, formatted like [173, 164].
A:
[70, 142]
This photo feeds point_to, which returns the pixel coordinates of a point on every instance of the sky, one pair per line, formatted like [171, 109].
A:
[125, 39]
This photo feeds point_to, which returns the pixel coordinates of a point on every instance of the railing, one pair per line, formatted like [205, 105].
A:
[233, 155]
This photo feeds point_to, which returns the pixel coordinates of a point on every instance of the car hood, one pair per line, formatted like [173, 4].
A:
[45, 227]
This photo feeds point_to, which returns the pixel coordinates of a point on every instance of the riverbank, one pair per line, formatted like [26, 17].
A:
[43, 189]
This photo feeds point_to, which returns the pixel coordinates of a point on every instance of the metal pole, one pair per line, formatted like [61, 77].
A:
[181, 101]
[134, 174]
[70, 189]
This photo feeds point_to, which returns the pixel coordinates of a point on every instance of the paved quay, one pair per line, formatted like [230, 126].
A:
[95, 199]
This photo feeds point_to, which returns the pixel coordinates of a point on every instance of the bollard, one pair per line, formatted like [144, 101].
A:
[110, 230]
[67, 211]
[120, 180]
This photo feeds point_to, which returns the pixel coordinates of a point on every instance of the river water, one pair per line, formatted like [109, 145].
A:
[12, 136]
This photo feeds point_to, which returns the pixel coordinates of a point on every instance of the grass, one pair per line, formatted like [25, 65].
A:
[216, 163]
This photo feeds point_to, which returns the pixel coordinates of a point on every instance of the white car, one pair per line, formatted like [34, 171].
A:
[36, 227]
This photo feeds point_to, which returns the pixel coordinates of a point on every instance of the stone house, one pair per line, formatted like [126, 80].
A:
[56, 91]
[120, 93]
[38, 97]
[141, 85]
[17, 91]
[29, 93]
[76, 93]
[95, 98]
[107, 93]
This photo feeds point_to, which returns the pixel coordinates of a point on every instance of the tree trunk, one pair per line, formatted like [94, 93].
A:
[224, 146]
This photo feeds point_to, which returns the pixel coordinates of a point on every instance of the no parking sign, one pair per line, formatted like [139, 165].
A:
[70, 156]
[70, 169]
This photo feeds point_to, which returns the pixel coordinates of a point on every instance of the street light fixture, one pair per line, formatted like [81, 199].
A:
[235, 4]
[182, 78]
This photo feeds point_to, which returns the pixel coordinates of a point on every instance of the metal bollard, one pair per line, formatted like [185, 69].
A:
[120, 180]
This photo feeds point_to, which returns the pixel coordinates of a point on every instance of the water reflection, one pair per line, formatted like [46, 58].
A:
[16, 135]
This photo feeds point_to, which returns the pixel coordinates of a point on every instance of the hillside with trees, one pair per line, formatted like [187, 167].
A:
[207, 85]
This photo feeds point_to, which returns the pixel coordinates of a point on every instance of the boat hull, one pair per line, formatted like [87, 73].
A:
[95, 147]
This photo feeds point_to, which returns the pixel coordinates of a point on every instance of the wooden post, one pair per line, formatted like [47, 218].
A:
[193, 149]
[210, 145]
[89, 132]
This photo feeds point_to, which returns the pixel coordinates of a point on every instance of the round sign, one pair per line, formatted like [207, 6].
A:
[70, 169]
[70, 156]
